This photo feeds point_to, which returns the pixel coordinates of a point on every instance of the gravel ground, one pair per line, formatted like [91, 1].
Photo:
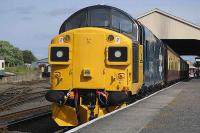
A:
[32, 87]
[29, 88]
[182, 115]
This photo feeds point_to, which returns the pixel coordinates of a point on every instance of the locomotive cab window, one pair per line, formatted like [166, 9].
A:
[123, 24]
[99, 17]
[76, 21]
[103, 17]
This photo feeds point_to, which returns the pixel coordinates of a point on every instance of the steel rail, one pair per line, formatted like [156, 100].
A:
[17, 117]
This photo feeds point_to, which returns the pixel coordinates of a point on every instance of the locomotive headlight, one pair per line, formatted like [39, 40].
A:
[117, 54]
[59, 54]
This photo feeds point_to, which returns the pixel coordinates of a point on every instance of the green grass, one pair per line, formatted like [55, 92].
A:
[20, 70]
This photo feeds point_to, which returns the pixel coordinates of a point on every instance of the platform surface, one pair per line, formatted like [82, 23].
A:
[172, 110]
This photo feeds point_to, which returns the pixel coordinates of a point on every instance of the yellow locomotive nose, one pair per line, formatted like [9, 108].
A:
[89, 59]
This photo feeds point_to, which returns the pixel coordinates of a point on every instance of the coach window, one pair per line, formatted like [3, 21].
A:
[99, 17]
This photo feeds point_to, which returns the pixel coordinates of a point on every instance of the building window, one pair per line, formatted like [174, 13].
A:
[3, 65]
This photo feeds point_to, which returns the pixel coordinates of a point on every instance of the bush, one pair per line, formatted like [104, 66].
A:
[20, 70]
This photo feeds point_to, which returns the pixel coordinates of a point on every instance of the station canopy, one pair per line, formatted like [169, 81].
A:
[182, 36]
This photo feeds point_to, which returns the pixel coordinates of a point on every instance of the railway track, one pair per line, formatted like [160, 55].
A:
[15, 98]
[31, 120]
[23, 102]
[11, 93]
[24, 115]
[35, 119]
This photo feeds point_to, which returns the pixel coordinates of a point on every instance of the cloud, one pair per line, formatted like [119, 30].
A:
[59, 12]
[26, 18]
[24, 10]
[43, 36]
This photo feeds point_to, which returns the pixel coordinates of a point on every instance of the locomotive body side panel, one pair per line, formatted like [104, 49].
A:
[153, 60]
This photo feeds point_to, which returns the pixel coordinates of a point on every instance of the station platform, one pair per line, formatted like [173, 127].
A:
[175, 109]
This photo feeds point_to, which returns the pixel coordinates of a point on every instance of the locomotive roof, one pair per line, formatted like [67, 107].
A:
[104, 6]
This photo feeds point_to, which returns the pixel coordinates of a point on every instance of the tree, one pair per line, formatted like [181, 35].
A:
[28, 56]
[13, 56]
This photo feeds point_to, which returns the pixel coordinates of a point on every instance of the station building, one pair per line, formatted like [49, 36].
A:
[182, 36]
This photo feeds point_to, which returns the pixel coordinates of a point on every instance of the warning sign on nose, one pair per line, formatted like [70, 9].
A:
[117, 40]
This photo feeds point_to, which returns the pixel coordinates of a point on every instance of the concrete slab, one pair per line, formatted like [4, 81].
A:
[138, 117]
[182, 115]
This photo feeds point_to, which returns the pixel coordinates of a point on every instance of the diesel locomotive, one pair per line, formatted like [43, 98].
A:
[102, 58]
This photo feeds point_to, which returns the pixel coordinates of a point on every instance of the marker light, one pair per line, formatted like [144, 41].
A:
[66, 38]
[110, 38]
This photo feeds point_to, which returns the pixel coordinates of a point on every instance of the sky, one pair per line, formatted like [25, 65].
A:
[31, 24]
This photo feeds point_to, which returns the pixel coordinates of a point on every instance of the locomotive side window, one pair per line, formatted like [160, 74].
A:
[99, 17]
